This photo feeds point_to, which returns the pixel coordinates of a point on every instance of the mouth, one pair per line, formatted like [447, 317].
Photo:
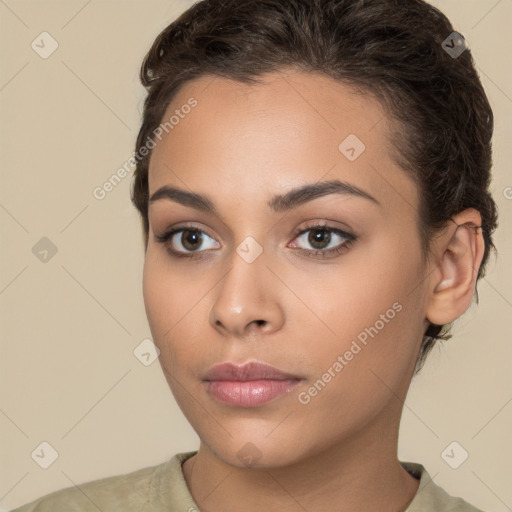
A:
[248, 385]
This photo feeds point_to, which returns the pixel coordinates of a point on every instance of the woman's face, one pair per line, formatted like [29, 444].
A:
[340, 312]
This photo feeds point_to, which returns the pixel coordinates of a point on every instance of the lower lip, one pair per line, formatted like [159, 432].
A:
[249, 393]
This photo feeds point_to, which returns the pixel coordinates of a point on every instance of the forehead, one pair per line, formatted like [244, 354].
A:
[253, 140]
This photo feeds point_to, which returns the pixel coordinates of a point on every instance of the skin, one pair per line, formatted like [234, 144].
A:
[241, 145]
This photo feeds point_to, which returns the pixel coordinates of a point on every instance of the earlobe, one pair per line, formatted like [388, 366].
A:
[459, 255]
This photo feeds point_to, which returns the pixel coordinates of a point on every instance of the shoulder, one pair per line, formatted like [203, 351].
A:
[130, 489]
[431, 496]
[127, 492]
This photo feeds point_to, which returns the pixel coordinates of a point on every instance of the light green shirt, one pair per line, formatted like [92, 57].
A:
[162, 488]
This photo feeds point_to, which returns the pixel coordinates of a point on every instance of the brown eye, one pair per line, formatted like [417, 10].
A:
[187, 241]
[191, 239]
[318, 237]
[323, 241]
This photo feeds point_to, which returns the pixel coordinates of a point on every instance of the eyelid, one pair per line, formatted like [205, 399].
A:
[312, 224]
[333, 252]
[180, 227]
[167, 236]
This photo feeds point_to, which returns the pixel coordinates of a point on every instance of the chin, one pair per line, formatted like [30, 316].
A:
[249, 455]
[257, 451]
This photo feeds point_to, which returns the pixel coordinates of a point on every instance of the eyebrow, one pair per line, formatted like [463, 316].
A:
[279, 203]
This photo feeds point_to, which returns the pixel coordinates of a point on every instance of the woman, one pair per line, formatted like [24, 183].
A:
[312, 178]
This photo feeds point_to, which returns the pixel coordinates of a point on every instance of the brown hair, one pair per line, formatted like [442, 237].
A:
[390, 48]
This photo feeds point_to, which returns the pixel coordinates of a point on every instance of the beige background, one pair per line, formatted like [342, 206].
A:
[69, 326]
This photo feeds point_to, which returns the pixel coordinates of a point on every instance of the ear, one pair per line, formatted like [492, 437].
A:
[457, 256]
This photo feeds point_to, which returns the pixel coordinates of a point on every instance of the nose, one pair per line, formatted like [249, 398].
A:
[247, 301]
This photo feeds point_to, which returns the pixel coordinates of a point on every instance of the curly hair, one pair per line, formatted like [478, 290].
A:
[392, 49]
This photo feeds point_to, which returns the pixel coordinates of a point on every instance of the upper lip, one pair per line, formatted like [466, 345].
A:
[246, 372]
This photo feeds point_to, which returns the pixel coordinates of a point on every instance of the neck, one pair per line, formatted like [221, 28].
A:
[361, 472]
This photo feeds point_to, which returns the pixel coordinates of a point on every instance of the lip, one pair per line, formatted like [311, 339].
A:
[248, 385]
[246, 372]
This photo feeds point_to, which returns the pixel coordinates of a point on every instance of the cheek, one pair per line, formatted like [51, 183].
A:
[175, 305]
[168, 294]
[370, 312]
[163, 305]
[154, 284]
[360, 371]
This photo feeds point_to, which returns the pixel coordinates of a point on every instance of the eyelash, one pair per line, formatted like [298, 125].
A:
[349, 239]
